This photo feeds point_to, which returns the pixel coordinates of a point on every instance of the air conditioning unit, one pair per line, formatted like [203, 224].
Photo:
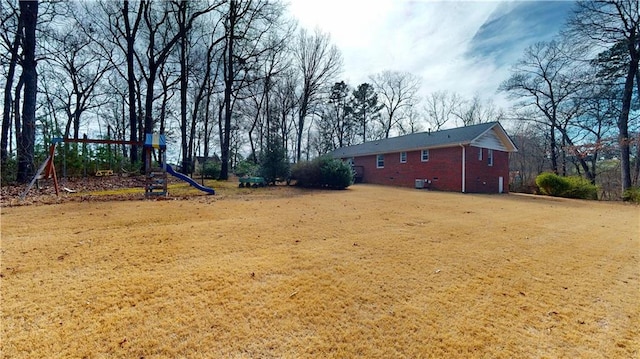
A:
[419, 183]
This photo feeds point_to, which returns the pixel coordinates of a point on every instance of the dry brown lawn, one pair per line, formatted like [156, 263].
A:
[368, 272]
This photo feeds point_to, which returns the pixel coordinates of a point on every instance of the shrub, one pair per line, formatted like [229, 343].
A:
[9, 170]
[273, 169]
[246, 168]
[273, 161]
[580, 188]
[323, 172]
[335, 173]
[551, 184]
[307, 174]
[569, 187]
[631, 195]
[211, 169]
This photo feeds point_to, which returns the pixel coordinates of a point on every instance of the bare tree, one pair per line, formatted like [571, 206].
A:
[198, 49]
[284, 104]
[606, 23]
[412, 123]
[475, 111]
[249, 29]
[397, 92]
[440, 107]
[117, 25]
[532, 141]
[162, 37]
[546, 80]
[263, 102]
[318, 62]
[76, 69]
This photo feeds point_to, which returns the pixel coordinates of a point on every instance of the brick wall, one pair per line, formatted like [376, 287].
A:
[443, 169]
[482, 178]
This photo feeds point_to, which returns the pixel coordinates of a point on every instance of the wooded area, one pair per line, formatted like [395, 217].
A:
[229, 79]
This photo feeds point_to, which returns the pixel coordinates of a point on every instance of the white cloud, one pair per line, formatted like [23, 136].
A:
[429, 39]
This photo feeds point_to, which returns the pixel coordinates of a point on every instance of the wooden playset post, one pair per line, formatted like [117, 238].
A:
[50, 171]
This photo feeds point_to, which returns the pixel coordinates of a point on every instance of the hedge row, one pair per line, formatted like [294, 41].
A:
[323, 172]
[570, 187]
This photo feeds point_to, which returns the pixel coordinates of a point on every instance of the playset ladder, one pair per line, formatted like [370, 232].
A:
[156, 175]
[156, 182]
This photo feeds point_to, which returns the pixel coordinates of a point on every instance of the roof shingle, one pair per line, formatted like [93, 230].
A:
[416, 141]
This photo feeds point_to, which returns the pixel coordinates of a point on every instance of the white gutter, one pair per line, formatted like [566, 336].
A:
[464, 174]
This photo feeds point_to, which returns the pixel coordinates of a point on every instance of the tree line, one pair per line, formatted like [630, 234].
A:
[236, 77]
[577, 109]
[214, 76]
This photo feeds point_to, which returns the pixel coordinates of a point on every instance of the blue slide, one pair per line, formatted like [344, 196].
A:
[190, 181]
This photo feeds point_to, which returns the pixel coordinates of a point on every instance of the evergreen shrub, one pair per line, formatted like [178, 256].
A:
[211, 170]
[9, 170]
[323, 172]
[570, 187]
[245, 168]
[580, 188]
[273, 161]
[631, 195]
[306, 174]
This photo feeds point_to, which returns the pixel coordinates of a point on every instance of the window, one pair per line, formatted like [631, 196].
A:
[490, 157]
[380, 161]
[480, 154]
[403, 157]
[425, 155]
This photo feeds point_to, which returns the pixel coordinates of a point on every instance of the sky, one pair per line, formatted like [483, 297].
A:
[466, 47]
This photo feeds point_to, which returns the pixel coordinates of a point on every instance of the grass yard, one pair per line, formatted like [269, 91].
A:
[370, 272]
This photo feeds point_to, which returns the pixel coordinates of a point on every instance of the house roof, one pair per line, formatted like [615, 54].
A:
[487, 135]
[213, 158]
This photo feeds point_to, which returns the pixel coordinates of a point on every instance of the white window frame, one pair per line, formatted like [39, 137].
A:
[403, 157]
[489, 157]
[422, 155]
[480, 154]
[379, 160]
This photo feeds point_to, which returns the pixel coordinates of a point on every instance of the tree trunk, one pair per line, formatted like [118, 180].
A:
[26, 143]
[163, 106]
[17, 117]
[582, 163]
[148, 103]
[552, 150]
[228, 87]
[207, 117]
[623, 125]
[76, 117]
[302, 113]
[6, 111]
[131, 82]
[187, 164]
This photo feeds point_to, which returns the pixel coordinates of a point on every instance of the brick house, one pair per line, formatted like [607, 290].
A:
[472, 159]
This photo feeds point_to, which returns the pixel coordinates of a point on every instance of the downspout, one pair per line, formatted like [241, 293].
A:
[464, 174]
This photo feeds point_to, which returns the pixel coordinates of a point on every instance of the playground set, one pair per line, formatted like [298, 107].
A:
[156, 171]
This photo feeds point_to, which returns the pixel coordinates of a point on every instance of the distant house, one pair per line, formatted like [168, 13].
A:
[201, 161]
[471, 159]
